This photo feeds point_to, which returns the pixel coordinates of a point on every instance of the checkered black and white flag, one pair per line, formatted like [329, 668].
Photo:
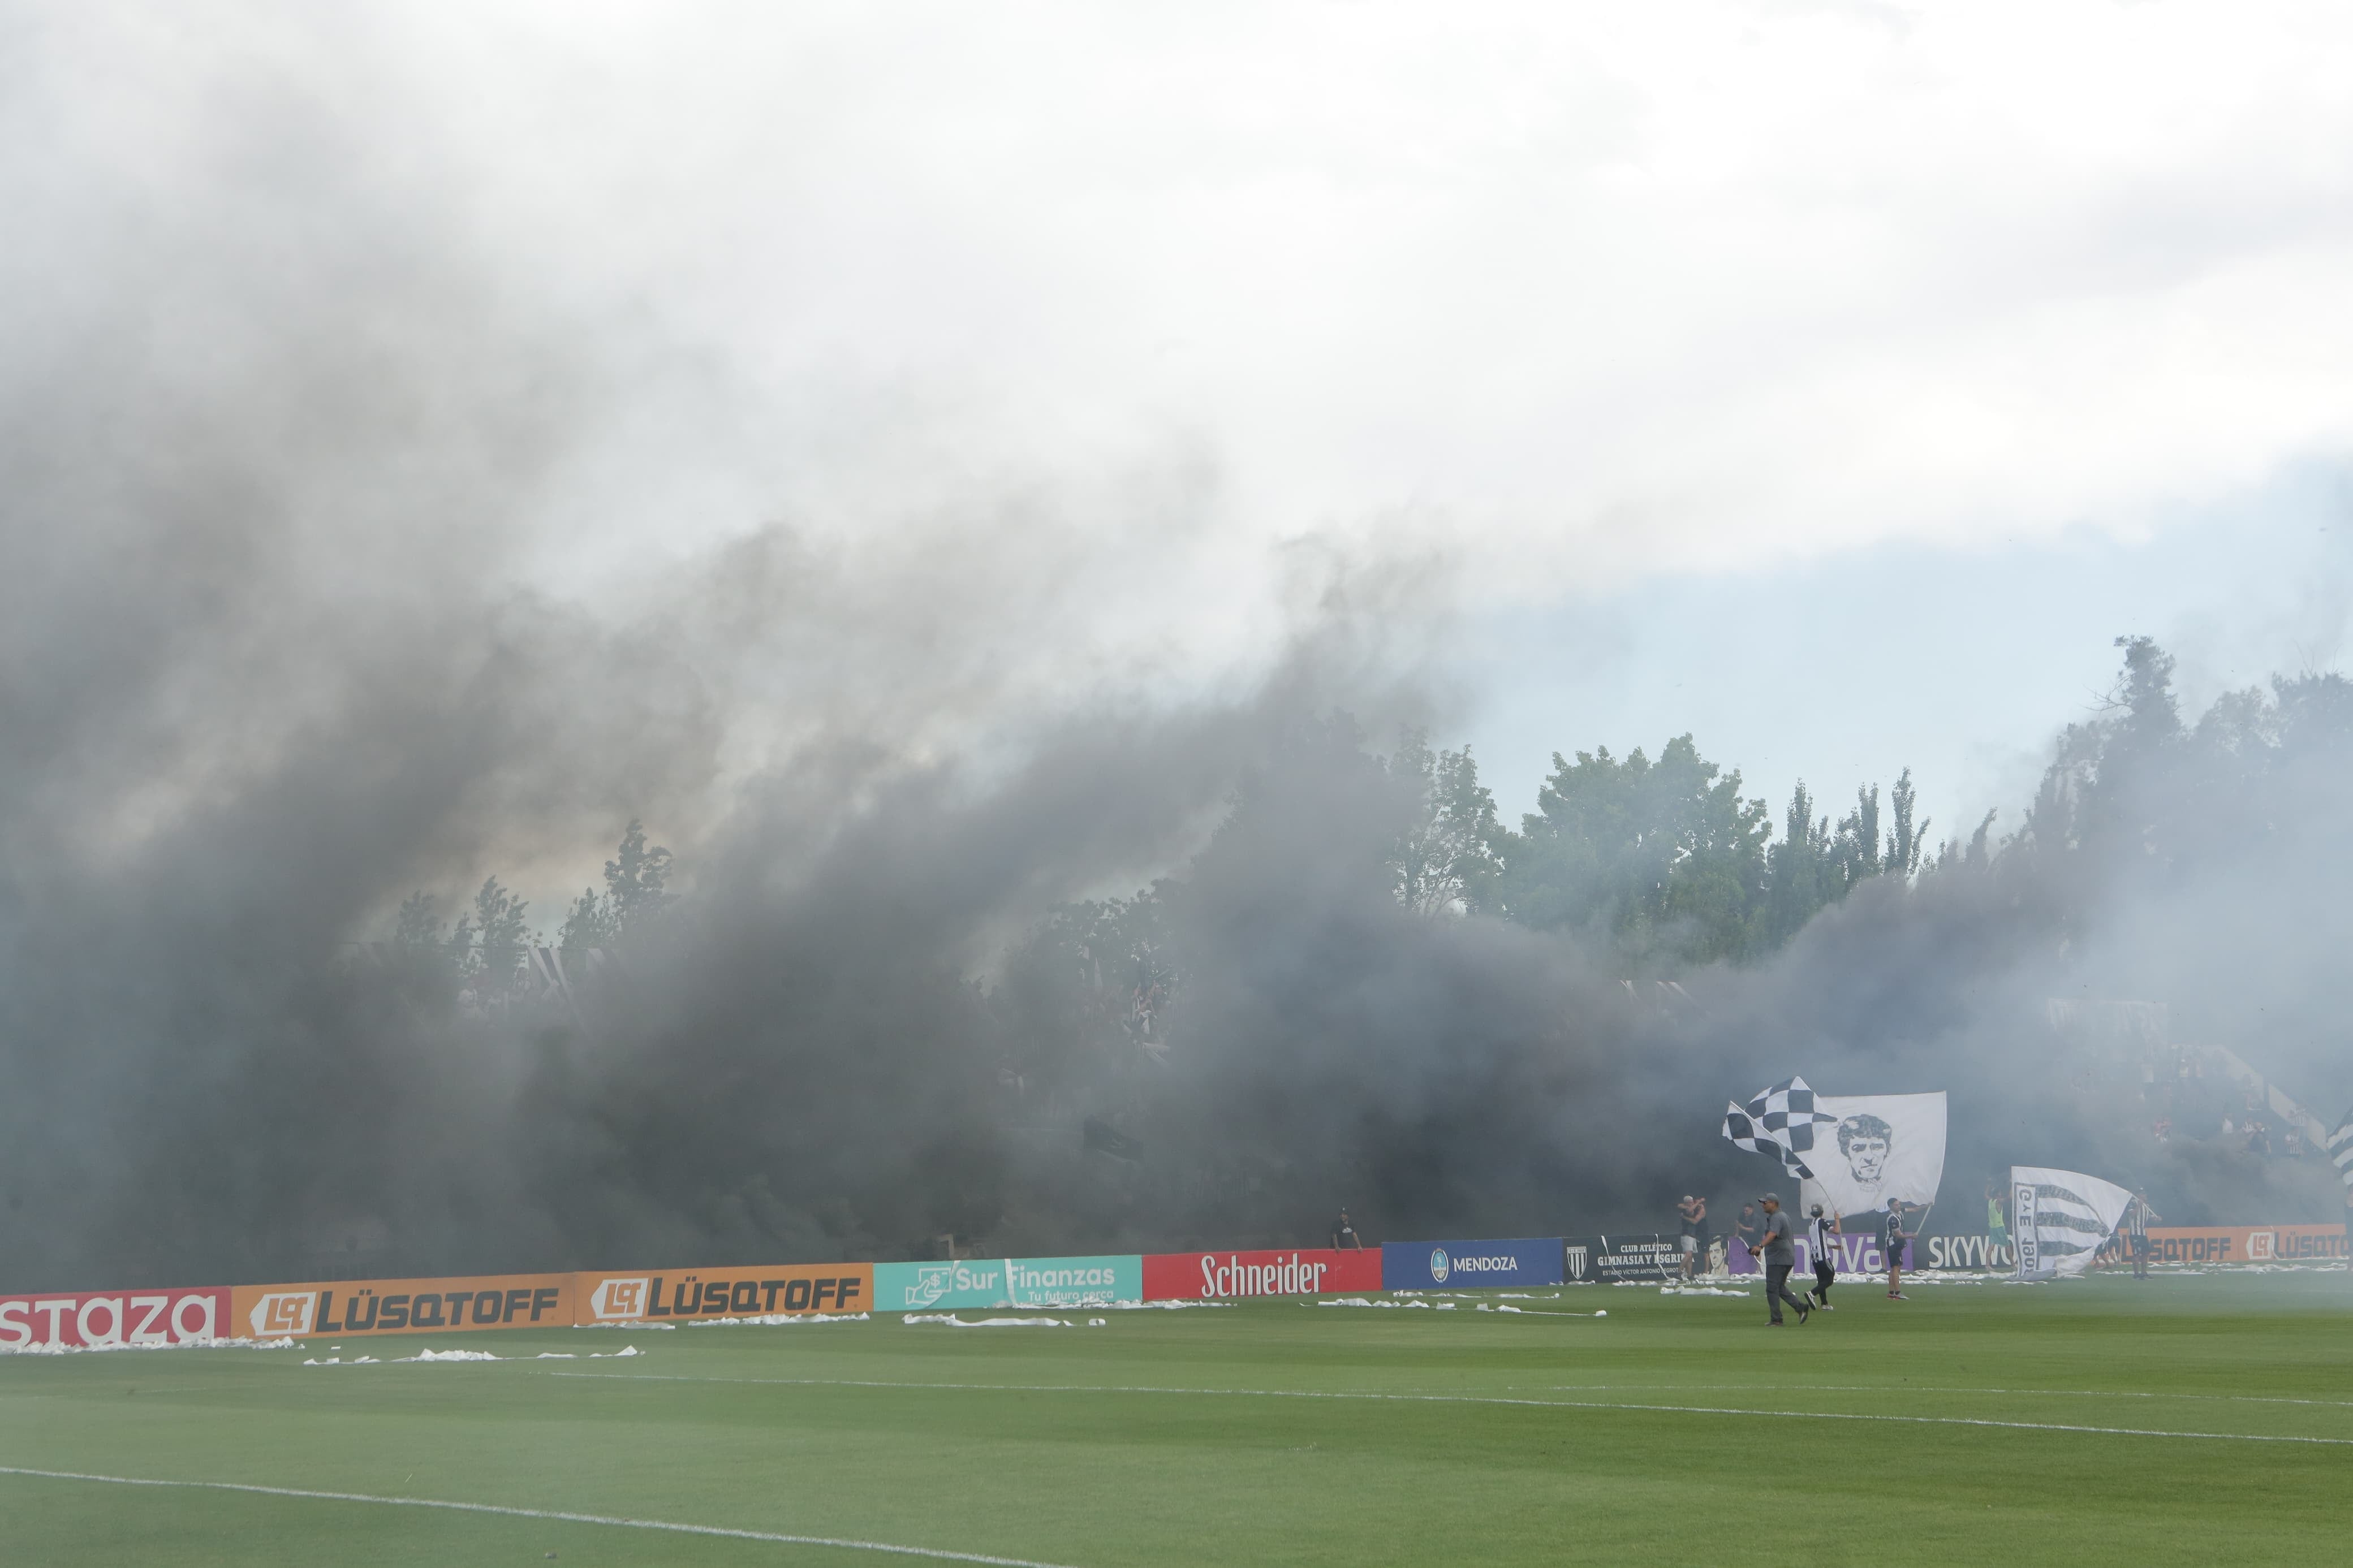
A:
[1778, 1121]
[2341, 1149]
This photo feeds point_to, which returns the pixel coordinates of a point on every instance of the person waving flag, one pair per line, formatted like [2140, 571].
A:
[1778, 1121]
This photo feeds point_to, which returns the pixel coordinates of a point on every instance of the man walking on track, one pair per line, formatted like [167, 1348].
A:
[1821, 1240]
[1892, 1237]
[1695, 1226]
[1781, 1256]
[2137, 1214]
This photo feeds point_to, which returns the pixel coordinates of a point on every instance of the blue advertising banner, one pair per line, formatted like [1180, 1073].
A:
[1007, 1282]
[1467, 1265]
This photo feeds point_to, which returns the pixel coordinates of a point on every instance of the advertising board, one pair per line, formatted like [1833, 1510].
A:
[403, 1306]
[1007, 1282]
[784, 1290]
[2235, 1244]
[67, 1320]
[1225, 1275]
[1609, 1258]
[1857, 1253]
[1469, 1265]
[2168, 1244]
[1980, 1252]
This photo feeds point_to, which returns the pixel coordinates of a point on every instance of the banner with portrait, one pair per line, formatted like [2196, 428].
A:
[1873, 1147]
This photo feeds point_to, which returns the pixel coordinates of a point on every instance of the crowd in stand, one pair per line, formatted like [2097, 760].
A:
[2181, 1091]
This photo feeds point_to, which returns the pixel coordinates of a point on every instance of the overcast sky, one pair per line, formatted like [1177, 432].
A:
[1833, 380]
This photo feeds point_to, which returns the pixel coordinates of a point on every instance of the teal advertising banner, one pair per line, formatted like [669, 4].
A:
[922, 1286]
[1075, 1281]
[1006, 1282]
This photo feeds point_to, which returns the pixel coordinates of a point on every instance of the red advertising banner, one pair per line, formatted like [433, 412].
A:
[405, 1306]
[92, 1321]
[1225, 1275]
[791, 1288]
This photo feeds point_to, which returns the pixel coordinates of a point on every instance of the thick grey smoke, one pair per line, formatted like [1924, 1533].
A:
[281, 459]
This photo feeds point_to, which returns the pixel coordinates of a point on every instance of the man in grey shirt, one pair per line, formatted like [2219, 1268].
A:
[1781, 1256]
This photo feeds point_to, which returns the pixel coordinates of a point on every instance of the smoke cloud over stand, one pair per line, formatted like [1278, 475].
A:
[293, 626]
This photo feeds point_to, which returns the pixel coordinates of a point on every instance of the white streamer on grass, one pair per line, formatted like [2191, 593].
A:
[1153, 1306]
[240, 1343]
[1483, 1399]
[953, 1322]
[560, 1516]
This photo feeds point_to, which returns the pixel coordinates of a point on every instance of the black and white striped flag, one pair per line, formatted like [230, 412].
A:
[2060, 1218]
[1778, 1121]
[2341, 1149]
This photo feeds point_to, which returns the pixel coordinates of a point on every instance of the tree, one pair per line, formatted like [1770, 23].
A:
[417, 930]
[499, 918]
[2136, 744]
[1798, 868]
[1905, 841]
[637, 891]
[1663, 856]
[1447, 860]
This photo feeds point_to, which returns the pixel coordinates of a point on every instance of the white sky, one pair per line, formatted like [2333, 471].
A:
[1886, 359]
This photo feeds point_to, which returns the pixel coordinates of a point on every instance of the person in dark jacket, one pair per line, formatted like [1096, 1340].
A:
[1892, 1237]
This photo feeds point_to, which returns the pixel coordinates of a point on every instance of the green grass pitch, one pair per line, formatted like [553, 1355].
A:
[2188, 1419]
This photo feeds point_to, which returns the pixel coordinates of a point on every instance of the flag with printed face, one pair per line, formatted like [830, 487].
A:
[2059, 1218]
[1874, 1147]
[1778, 1121]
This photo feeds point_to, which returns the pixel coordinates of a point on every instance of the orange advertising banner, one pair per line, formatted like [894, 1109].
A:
[2233, 1243]
[680, 1296]
[403, 1306]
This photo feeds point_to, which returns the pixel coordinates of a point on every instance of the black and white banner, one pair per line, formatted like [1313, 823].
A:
[1654, 1259]
[1874, 1147]
[2060, 1218]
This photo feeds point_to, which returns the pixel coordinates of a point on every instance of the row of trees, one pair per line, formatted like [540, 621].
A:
[1664, 863]
[1665, 860]
[487, 947]
[1671, 865]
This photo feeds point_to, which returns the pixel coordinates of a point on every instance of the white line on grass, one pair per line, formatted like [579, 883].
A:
[559, 1515]
[1908, 1388]
[1475, 1399]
